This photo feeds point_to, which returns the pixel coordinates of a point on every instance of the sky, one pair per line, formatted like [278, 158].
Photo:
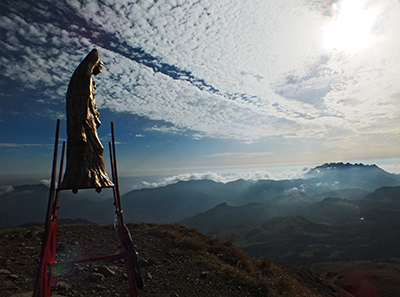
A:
[196, 86]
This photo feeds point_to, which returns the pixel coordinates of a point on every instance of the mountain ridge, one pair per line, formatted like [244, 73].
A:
[175, 202]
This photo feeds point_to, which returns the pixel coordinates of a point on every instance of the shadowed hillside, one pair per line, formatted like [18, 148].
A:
[363, 278]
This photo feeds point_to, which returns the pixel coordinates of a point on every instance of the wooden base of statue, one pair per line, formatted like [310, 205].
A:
[48, 252]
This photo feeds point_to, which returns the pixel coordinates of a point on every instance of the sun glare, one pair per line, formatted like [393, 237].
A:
[351, 30]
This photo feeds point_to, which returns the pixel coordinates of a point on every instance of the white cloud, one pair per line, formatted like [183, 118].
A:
[165, 129]
[225, 178]
[6, 190]
[46, 182]
[23, 145]
[222, 69]
[240, 155]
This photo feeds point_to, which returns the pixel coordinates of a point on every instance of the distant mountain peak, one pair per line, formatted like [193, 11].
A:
[222, 205]
[346, 175]
[341, 165]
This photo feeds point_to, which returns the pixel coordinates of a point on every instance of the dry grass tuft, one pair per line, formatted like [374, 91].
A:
[262, 277]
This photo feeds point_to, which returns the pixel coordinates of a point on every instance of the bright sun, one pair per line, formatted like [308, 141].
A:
[351, 30]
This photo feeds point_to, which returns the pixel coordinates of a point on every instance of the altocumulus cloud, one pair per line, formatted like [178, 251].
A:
[222, 69]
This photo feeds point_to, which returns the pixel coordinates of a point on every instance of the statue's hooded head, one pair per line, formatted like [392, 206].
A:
[80, 82]
[93, 62]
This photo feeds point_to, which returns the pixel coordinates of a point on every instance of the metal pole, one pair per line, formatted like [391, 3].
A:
[42, 270]
[115, 165]
[56, 201]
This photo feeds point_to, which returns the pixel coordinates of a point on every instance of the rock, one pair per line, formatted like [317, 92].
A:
[14, 276]
[4, 271]
[96, 277]
[204, 274]
[104, 270]
[144, 262]
[62, 286]
[62, 248]
[28, 294]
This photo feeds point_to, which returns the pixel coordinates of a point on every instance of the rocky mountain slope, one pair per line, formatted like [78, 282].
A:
[175, 260]
[330, 230]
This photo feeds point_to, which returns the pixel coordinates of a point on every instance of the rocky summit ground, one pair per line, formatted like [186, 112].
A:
[175, 260]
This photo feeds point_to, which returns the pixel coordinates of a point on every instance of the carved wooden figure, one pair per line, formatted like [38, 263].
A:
[85, 163]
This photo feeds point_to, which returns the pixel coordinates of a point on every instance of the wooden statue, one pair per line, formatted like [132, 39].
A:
[85, 163]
